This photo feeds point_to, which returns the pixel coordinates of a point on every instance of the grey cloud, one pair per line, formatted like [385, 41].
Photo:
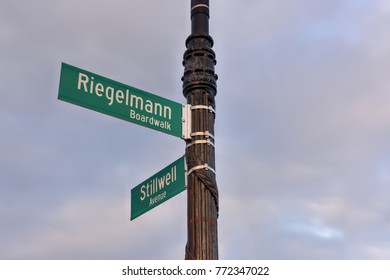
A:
[302, 129]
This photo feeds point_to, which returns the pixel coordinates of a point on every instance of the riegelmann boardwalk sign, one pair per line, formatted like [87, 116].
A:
[112, 98]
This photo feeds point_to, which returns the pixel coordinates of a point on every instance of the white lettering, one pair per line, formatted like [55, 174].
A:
[99, 89]
[168, 179]
[143, 192]
[139, 102]
[149, 106]
[91, 85]
[132, 114]
[161, 182]
[158, 109]
[83, 81]
[110, 95]
[127, 97]
[120, 96]
[169, 111]
[147, 190]
[157, 198]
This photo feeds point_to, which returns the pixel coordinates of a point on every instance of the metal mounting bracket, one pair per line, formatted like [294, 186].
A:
[186, 121]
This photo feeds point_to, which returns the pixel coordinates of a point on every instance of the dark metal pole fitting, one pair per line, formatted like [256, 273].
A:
[199, 61]
[200, 14]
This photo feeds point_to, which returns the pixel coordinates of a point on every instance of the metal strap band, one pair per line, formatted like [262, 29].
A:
[204, 166]
[196, 107]
[208, 142]
[199, 5]
[206, 133]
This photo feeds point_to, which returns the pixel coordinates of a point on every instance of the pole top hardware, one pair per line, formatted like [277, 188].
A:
[200, 15]
[200, 6]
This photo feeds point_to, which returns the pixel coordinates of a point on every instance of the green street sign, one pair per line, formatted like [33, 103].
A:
[109, 97]
[159, 188]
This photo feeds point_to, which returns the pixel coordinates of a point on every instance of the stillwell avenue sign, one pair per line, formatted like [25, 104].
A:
[112, 98]
[159, 188]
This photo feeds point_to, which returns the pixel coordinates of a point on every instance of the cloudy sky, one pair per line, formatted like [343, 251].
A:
[302, 129]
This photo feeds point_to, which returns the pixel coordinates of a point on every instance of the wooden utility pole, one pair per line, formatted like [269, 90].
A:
[200, 88]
